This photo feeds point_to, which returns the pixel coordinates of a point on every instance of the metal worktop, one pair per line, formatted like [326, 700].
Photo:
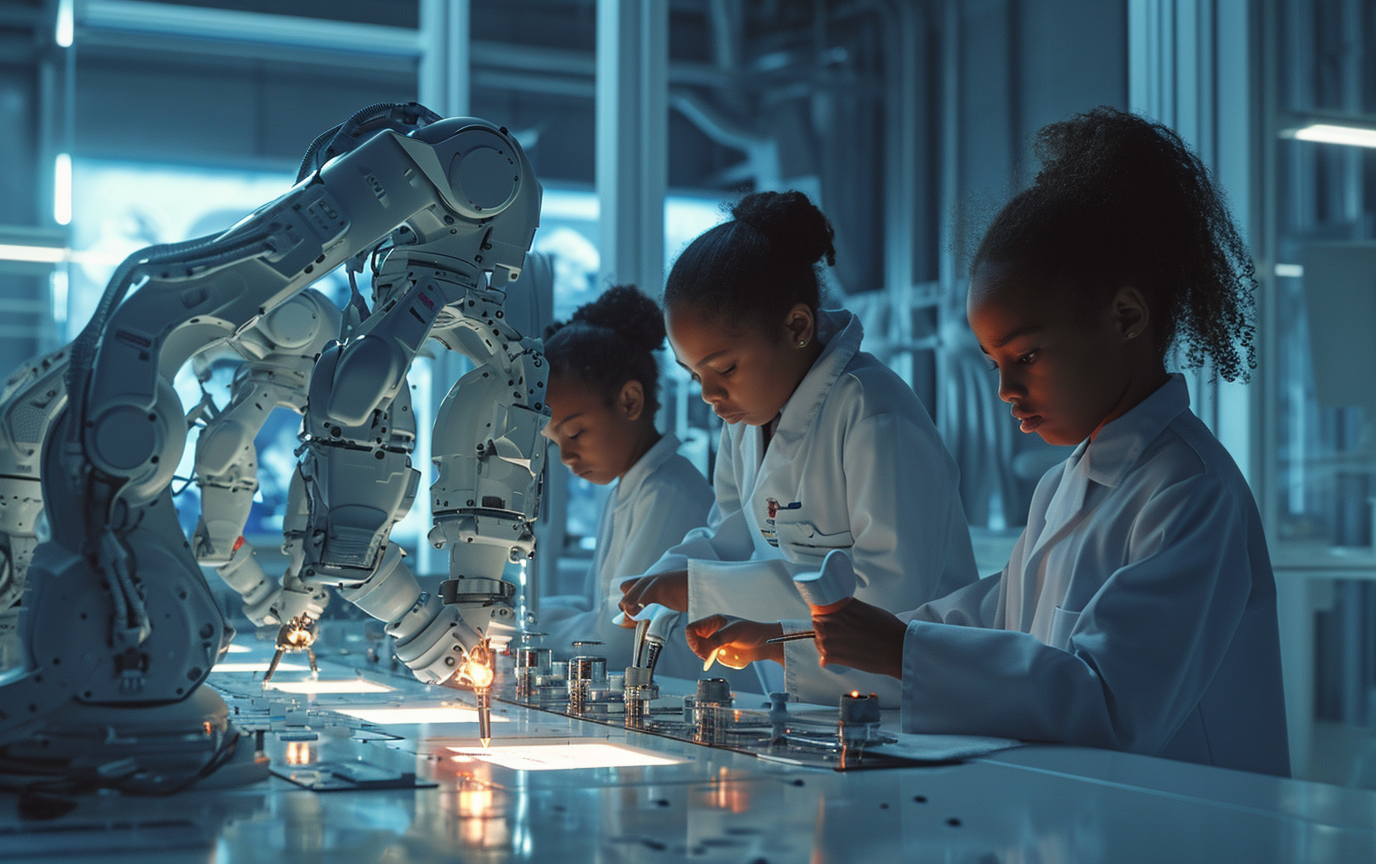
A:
[1031, 804]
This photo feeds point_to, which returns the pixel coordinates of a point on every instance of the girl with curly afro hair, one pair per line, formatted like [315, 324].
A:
[1138, 611]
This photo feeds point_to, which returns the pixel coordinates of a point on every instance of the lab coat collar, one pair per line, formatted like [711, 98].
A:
[841, 332]
[656, 456]
[1119, 444]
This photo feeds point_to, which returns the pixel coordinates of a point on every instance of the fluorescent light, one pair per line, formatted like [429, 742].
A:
[416, 716]
[257, 667]
[1294, 271]
[62, 189]
[351, 686]
[1329, 134]
[562, 757]
[239, 649]
[38, 254]
[65, 25]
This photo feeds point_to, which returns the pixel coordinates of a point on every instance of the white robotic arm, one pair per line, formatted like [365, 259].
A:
[359, 434]
[279, 351]
[279, 354]
[121, 615]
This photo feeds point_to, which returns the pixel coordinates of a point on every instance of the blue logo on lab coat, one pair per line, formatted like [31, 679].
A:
[771, 536]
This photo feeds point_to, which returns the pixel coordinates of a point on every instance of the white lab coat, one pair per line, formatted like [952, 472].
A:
[1138, 611]
[855, 463]
[654, 504]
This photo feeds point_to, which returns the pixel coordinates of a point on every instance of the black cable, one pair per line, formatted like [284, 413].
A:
[91, 779]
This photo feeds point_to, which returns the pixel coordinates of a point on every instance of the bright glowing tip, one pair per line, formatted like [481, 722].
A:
[712, 658]
[479, 674]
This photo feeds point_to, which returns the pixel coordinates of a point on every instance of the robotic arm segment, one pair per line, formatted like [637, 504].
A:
[280, 352]
[357, 480]
[32, 397]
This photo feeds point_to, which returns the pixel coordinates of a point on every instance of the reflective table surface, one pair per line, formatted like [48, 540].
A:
[556, 788]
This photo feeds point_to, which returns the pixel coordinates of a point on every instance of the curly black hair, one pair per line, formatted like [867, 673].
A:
[757, 266]
[610, 341]
[1121, 200]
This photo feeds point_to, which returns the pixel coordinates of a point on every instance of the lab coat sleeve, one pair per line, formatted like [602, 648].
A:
[1137, 659]
[663, 510]
[663, 514]
[910, 540]
[726, 537]
[723, 575]
[907, 538]
[979, 604]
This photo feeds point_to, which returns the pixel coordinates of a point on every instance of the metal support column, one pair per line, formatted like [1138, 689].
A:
[1191, 66]
[444, 56]
[632, 139]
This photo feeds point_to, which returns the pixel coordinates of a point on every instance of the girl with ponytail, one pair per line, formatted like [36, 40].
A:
[1138, 611]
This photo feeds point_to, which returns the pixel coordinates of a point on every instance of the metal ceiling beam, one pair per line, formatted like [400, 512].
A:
[632, 140]
[256, 35]
[230, 26]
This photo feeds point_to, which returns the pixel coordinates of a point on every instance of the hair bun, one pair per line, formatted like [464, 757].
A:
[1111, 153]
[791, 222]
[625, 310]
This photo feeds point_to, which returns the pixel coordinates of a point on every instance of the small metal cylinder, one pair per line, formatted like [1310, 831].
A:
[650, 652]
[534, 658]
[639, 690]
[714, 690]
[858, 717]
[587, 669]
[484, 699]
[532, 665]
[710, 708]
[778, 715]
[587, 674]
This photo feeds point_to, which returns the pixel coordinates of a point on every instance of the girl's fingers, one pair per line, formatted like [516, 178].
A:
[632, 595]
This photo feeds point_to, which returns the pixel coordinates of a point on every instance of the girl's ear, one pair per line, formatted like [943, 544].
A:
[800, 326]
[630, 402]
[1130, 313]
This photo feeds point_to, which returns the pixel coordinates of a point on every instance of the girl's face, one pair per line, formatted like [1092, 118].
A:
[746, 375]
[599, 442]
[1065, 372]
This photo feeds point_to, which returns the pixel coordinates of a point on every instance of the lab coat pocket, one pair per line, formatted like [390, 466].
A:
[1062, 625]
[802, 542]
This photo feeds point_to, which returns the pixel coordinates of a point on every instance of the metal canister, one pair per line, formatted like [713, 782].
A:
[532, 665]
[858, 717]
[710, 709]
[585, 673]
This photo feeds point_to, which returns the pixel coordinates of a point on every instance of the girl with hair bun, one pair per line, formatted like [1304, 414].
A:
[823, 448]
[603, 392]
[1138, 610]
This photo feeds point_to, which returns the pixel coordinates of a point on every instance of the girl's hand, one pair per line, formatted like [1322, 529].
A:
[862, 637]
[667, 589]
[741, 642]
